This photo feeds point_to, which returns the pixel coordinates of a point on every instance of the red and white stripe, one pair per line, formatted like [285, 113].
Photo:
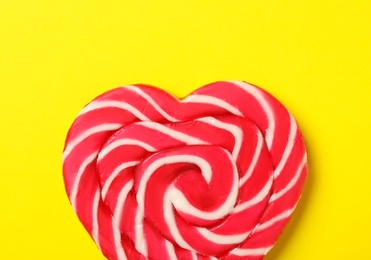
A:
[215, 175]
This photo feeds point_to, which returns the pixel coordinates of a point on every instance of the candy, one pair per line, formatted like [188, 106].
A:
[215, 175]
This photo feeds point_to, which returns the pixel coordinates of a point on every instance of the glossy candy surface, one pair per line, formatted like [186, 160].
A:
[215, 175]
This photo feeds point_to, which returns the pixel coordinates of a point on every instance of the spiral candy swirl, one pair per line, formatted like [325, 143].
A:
[215, 175]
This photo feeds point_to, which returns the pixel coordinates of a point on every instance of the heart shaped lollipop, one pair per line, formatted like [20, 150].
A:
[215, 175]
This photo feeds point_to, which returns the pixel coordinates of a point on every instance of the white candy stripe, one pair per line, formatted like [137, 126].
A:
[292, 182]
[170, 250]
[140, 240]
[114, 174]
[117, 239]
[205, 99]
[95, 229]
[251, 251]
[272, 221]
[233, 129]
[256, 199]
[116, 222]
[194, 255]
[257, 94]
[151, 101]
[172, 133]
[170, 221]
[121, 201]
[222, 239]
[124, 141]
[96, 129]
[254, 161]
[288, 148]
[80, 172]
[94, 105]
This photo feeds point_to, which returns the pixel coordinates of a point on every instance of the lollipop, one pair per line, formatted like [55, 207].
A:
[215, 175]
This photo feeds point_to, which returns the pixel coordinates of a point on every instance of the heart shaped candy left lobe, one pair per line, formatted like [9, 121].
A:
[215, 175]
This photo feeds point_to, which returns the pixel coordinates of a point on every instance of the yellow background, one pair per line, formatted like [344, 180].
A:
[314, 56]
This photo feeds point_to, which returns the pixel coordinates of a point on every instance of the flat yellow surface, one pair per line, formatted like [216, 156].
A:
[314, 56]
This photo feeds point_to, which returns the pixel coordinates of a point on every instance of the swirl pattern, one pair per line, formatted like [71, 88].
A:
[215, 175]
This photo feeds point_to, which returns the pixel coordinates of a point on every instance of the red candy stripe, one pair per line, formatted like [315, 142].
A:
[215, 175]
